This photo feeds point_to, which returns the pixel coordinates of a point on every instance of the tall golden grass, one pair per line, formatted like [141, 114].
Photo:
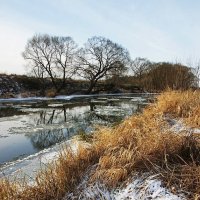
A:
[180, 104]
[142, 143]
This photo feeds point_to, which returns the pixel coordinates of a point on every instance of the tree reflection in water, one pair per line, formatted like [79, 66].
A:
[46, 138]
[56, 125]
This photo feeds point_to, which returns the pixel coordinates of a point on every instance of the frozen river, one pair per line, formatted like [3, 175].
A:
[33, 130]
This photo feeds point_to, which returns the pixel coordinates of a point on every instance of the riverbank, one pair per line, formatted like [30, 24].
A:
[15, 86]
[139, 149]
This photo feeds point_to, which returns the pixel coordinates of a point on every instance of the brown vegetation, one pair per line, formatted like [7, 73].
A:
[160, 76]
[142, 143]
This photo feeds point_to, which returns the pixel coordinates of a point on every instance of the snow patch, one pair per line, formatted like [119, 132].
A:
[149, 188]
[29, 166]
[178, 126]
[140, 187]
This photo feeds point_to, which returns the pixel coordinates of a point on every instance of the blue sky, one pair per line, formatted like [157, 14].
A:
[160, 30]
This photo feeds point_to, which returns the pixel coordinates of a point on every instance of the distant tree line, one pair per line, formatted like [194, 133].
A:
[159, 76]
[60, 59]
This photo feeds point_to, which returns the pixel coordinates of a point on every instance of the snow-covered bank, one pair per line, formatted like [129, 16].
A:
[70, 97]
[138, 187]
[28, 167]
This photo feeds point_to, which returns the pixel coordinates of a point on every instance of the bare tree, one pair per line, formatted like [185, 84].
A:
[140, 66]
[168, 75]
[51, 56]
[101, 58]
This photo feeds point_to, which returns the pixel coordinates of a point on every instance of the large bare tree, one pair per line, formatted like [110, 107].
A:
[101, 58]
[51, 56]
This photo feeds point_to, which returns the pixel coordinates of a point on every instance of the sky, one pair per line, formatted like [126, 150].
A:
[160, 30]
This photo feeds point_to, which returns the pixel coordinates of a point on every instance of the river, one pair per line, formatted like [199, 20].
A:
[32, 130]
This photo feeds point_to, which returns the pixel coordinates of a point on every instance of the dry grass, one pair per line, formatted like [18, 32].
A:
[141, 143]
[53, 183]
[50, 93]
[180, 104]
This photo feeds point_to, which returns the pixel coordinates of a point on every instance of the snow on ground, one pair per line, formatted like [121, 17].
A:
[143, 187]
[69, 97]
[29, 166]
[148, 188]
[178, 126]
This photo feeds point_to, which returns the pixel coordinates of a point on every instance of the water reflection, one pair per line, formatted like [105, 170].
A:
[43, 127]
[54, 126]
[51, 126]
[46, 138]
[10, 111]
[43, 118]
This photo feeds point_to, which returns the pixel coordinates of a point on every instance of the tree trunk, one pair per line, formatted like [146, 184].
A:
[92, 85]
